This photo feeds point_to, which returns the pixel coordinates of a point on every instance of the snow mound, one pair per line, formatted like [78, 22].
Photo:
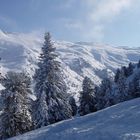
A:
[119, 122]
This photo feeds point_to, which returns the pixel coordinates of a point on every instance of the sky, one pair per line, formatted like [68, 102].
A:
[115, 22]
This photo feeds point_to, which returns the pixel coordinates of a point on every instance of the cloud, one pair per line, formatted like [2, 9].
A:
[108, 9]
[102, 12]
[90, 18]
[98, 14]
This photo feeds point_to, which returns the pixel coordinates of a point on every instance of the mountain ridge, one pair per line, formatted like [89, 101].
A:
[21, 51]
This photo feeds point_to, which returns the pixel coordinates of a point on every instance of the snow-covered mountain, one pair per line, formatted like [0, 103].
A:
[119, 122]
[21, 51]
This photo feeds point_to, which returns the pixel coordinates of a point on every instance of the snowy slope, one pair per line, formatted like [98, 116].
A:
[21, 51]
[18, 51]
[119, 122]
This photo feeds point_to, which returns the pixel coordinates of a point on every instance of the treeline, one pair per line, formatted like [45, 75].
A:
[20, 114]
[124, 86]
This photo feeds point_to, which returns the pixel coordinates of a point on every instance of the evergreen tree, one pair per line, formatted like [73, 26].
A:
[104, 94]
[52, 104]
[130, 69]
[124, 71]
[122, 87]
[138, 65]
[15, 118]
[117, 75]
[134, 87]
[73, 105]
[87, 98]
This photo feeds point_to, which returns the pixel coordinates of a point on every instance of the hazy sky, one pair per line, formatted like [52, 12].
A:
[115, 22]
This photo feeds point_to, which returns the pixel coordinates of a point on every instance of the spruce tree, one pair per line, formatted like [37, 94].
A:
[15, 118]
[138, 65]
[87, 98]
[52, 104]
[116, 77]
[104, 94]
[134, 86]
[73, 105]
[130, 69]
[121, 92]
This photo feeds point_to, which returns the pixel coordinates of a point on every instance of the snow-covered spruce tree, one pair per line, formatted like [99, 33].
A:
[51, 105]
[130, 69]
[15, 118]
[73, 105]
[123, 71]
[121, 92]
[104, 94]
[87, 98]
[134, 86]
[138, 65]
[117, 75]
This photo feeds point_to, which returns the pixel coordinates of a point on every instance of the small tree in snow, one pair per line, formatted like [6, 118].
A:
[73, 105]
[104, 94]
[87, 97]
[122, 87]
[134, 87]
[130, 69]
[117, 75]
[138, 65]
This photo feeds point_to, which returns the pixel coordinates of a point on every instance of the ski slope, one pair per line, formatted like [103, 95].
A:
[119, 122]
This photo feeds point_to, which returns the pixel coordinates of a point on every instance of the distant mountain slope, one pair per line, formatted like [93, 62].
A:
[119, 122]
[21, 51]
